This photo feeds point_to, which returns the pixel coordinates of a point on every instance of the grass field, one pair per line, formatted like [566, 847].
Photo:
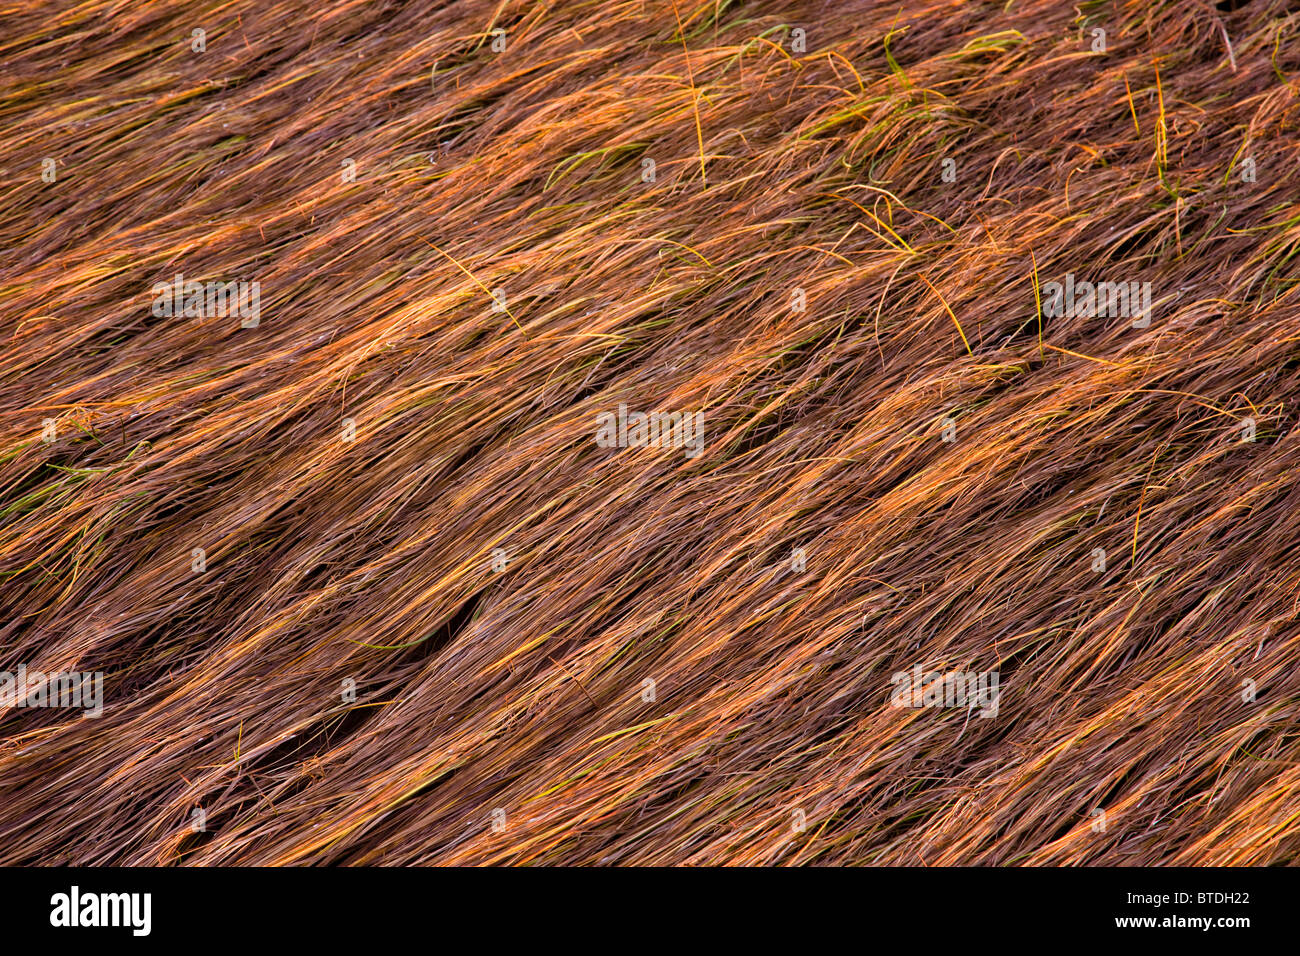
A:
[667, 432]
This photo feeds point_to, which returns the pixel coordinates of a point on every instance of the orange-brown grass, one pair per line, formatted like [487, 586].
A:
[527, 689]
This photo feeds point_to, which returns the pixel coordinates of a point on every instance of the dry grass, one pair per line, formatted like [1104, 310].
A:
[775, 169]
